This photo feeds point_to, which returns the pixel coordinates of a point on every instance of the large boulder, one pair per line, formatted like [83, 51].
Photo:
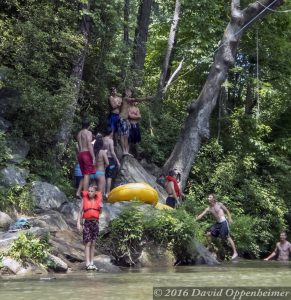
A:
[19, 149]
[4, 124]
[57, 264]
[5, 220]
[12, 176]
[155, 256]
[132, 171]
[9, 101]
[51, 220]
[47, 196]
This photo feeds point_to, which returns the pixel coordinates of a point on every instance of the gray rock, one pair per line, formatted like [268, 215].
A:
[52, 221]
[9, 101]
[104, 263]
[5, 220]
[201, 254]
[47, 196]
[71, 209]
[151, 168]
[12, 176]
[56, 264]
[14, 266]
[4, 124]
[153, 256]
[132, 171]
[19, 149]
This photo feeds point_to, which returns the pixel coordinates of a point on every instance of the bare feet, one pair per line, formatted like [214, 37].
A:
[234, 256]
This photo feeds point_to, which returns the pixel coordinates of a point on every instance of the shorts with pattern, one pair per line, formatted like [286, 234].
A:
[123, 126]
[220, 230]
[90, 231]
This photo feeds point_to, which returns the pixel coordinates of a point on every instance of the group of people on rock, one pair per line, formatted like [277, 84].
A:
[98, 162]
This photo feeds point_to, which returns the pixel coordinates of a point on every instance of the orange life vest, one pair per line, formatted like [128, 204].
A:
[91, 208]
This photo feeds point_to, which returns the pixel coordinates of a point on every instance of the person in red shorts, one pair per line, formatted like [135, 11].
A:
[86, 157]
[90, 211]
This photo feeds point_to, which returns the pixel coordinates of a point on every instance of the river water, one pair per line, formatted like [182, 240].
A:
[138, 284]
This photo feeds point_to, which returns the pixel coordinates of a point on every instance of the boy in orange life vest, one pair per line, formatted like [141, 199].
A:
[90, 211]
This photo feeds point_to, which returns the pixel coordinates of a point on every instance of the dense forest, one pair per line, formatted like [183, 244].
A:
[59, 58]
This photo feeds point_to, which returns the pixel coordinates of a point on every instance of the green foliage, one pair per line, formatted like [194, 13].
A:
[17, 197]
[134, 229]
[30, 248]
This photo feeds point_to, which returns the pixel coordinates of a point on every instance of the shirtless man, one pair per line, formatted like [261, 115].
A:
[114, 164]
[282, 250]
[124, 124]
[115, 103]
[220, 228]
[86, 157]
[134, 116]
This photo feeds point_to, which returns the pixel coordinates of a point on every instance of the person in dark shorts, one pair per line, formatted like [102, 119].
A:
[134, 117]
[90, 211]
[221, 227]
[115, 102]
[172, 188]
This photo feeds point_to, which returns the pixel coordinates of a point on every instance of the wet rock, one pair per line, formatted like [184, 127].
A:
[12, 176]
[14, 266]
[57, 264]
[5, 220]
[104, 264]
[156, 256]
[19, 149]
[203, 256]
[47, 196]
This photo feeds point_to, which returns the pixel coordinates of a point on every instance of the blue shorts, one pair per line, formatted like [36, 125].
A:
[123, 127]
[171, 201]
[112, 121]
[220, 230]
[94, 176]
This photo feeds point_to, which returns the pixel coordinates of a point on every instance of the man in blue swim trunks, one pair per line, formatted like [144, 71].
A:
[115, 102]
[220, 228]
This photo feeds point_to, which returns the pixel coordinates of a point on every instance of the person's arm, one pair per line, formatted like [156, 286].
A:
[105, 159]
[227, 212]
[141, 99]
[90, 147]
[202, 214]
[273, 254]
[111, 146]
[80, 214]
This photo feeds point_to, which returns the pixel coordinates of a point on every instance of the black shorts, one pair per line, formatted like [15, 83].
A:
[172, 202]
[111, 170]
[220, 230]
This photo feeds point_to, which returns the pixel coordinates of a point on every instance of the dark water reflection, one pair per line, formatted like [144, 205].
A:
[139, 283]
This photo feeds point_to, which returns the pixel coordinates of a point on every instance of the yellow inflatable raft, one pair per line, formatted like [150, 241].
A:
[139, 191]
[163, 206]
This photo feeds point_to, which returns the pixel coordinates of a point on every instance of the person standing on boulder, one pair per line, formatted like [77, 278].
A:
[172, 189]
[90, 211]
[86, 157]
[220, 228]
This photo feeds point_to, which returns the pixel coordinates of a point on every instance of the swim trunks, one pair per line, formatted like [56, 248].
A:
[112, 121]
[86, 163]
[90, 230]
[123, 126]
[94, 176]
[134, 133]
[171, 201]
[111, 170]
[220, 230]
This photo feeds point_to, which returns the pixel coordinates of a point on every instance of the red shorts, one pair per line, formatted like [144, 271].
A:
[86, 163]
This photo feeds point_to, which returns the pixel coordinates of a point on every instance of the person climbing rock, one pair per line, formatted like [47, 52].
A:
[173, 189]
[221, 227]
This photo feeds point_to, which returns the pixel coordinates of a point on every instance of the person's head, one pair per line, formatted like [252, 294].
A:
[98, 145]
[212, 198]
[92, 190]
[172, 173]
[108, 132]
[283, 236]
[113, 90]
[127, 93]
[85, 124]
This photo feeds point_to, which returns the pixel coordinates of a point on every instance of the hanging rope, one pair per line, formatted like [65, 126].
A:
[273, 10]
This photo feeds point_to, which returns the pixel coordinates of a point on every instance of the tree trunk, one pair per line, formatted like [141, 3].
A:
[196, 125]
[77, 74]
[126, 22]
[141, 34]
[170, 46]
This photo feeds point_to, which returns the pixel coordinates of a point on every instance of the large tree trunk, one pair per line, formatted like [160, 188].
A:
[77, 74]
[196, 126]
[141, 34]
[170, 46]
